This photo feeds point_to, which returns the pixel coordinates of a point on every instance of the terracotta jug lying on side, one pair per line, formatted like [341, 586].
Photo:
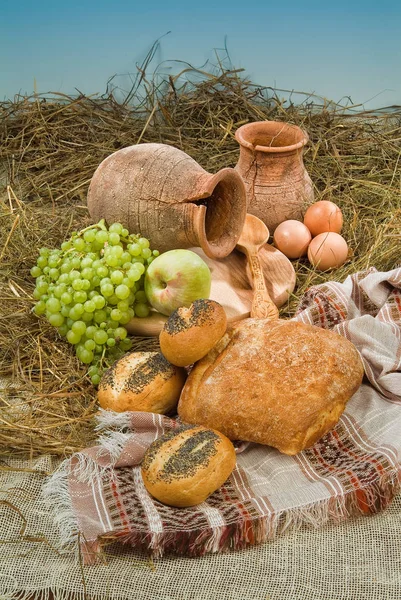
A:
[164, 194]
[270, 163]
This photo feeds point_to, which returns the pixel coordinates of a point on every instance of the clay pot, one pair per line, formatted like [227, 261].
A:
[270, 163]
[162, 193]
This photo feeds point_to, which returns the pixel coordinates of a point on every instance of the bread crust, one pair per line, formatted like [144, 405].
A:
[279, 383]
[183, 467]
[191, 332]
[141, 381]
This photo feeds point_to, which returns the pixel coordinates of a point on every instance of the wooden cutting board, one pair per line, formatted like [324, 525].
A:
[231, 287]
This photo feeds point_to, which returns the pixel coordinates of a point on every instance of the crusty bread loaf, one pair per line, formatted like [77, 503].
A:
[191, 332]
[279, 383]
[183, 467]
[141, 381]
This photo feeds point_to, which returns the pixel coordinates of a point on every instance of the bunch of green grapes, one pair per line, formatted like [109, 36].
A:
[91, 287]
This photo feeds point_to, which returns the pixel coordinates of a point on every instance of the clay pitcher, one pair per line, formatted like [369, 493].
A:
[271, 165]
[164, 194]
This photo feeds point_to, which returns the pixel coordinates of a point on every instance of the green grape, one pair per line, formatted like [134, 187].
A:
[141, 310]
[100, 336]
[78, 327]
[111, 260]
[77, 284]
[116, 228]
[99, 301]
[116, 277]
[89, 306]
[66, 298]
[134, 249]
[99, 316]
[53, 261]
[53, 305]
[73, 337]
[143, 242]
[90, 344]
[101, 236]
[87, 317]
[146, 253]
[56, 319]
[66, 267]
[95, 379]
[40, 307]
[87, 273]
[90, 331]
[86, 356]
[107, 290]
[126, 258]
[90, 235]
[41, 262]
[59, 290]
[79, 296]
[122, 291]
[74, 274]
[126, 344]
[54, 274]
[141, 297]
[63, 329]
[36, 272]
[102, 271]
[114, 238]
[111, 342]
[123, 305]
[116, 314]
[120, 333]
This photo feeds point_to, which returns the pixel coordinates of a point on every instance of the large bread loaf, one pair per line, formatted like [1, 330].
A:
[279, 383]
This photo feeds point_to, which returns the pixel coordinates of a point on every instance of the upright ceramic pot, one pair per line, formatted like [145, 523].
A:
[271, 165]
[164, 194]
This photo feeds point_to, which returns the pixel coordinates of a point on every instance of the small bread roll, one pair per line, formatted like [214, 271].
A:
[190, 333]
[183, 467]
[141, 381]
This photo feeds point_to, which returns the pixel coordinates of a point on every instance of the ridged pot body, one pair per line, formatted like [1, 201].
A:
[277, 184]
[165, 195]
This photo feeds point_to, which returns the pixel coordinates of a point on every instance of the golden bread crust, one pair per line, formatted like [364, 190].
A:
[183, 467]
[279, 383]
[191, 332]
[141, 381]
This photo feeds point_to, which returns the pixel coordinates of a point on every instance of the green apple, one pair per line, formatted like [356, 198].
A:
[176, 278]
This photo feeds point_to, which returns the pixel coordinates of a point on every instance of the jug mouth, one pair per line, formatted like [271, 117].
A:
[271, 136]
[221, 213]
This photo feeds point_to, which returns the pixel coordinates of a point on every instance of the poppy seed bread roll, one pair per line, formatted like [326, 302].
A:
[191, 332]
[141, 381]
[183, 467]
[279, 383]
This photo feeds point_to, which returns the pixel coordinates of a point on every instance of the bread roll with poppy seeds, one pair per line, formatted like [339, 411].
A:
[141, 381]
[191, 332]
[183, 467]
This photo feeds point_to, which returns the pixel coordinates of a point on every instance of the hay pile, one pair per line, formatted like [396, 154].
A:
[49, 150]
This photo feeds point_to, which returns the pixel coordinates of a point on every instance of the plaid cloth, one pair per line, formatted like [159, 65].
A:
[98, 494]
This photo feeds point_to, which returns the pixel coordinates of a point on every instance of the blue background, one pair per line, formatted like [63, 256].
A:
[323, 47]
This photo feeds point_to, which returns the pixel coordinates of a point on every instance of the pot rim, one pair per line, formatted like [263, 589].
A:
[241, 139]
[224, 244]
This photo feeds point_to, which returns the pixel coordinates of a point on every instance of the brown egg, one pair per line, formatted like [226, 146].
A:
[292, 238]
[323, 216]
[327, 251]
